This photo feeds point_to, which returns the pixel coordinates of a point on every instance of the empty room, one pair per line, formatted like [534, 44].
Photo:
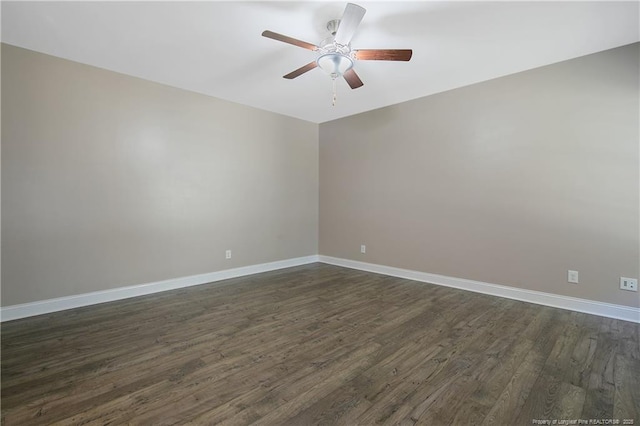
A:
[398, 213]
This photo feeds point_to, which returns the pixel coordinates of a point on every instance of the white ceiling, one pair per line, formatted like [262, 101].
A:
[216, 48]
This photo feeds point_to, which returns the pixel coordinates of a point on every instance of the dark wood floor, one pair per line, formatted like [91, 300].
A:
[318, 344]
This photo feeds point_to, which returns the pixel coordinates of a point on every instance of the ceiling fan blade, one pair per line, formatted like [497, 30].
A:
[382, 54]
[301, 70]
[290, 40]
[351, 18]
[352, 79]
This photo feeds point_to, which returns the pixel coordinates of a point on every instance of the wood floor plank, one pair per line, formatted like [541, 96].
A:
[412, 398]
[627, 388]
[517, 391]
[395, 364]
[600, 394]
[317, 344]
[464, 408]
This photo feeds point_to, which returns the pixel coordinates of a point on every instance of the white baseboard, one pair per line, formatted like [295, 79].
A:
[609, 310]
[24, 310]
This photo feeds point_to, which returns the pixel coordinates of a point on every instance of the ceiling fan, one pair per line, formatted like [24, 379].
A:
[335, 55]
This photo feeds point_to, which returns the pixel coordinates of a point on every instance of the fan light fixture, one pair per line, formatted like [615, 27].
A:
[335, 64]
[336, 57]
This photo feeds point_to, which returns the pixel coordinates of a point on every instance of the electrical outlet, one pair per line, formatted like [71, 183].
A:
[227, 254]
[363, 249]
[630, 284]
[572, 277]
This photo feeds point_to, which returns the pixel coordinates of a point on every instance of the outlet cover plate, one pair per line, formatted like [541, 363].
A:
[572, 276]
[630, 284]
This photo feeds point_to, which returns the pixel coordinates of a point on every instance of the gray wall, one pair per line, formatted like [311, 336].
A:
[511, 181]
[109, 181]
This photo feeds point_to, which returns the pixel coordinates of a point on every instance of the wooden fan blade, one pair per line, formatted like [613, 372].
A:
[382, 54]
[290, 40]
[301, 70]
[351, 18]
[352, 79]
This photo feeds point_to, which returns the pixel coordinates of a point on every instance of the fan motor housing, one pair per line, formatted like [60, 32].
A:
[329, 45]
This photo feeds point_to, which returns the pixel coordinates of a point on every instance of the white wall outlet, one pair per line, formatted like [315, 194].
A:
[227, 254]
[630, 284]
[363, 248]
[572, 276]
